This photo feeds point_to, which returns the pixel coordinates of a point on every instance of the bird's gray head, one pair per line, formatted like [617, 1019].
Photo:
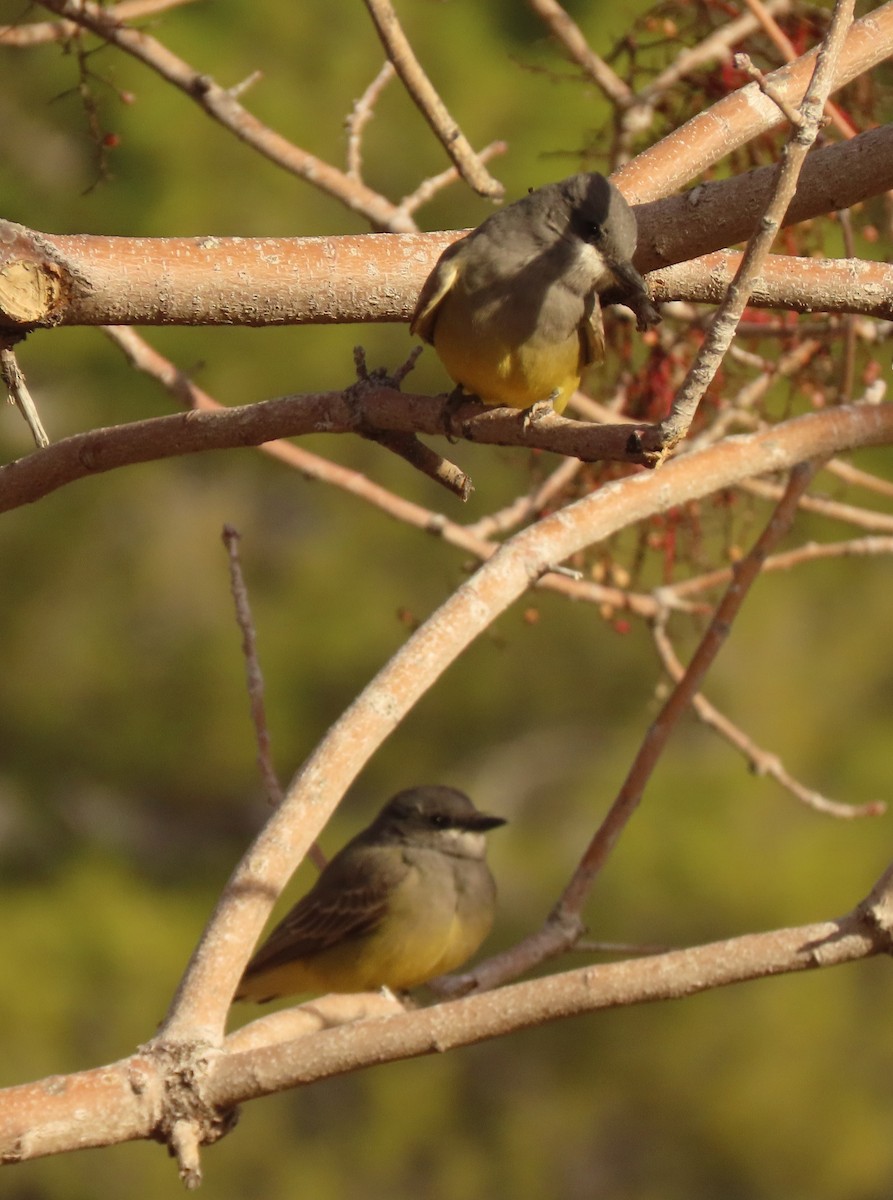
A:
[438, 817]
[599, 215]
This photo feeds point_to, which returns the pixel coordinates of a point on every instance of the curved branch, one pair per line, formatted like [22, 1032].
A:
[199, 1009]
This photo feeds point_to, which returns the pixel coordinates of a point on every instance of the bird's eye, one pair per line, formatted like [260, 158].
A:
[595, 233]
[439, 821]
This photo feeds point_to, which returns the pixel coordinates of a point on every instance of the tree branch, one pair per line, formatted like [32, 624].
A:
[199, 1008]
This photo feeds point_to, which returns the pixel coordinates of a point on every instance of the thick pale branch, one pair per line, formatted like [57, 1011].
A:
[519, 1006]
[801, 285]
[736, 119]
[127, 1100]
[85, 279]
[723, 212]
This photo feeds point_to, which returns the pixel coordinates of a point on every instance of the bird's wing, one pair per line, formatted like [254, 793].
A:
[434, 289]
[347, 909]
[592, 336]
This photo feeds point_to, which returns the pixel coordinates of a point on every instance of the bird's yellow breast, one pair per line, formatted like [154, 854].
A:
[433, 923]
[502, 369]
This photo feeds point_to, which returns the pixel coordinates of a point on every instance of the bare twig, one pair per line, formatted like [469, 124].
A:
[255, 680]
[428, 188]
[14, 379]
[220, 104]
[253, 672]
[40, 32]
[632, 790]
[722, 328]
[533, 504]
[743, 63]
[671, 594]
[760, 761]
[786, 48]
[361, 114]
[566, 31]
[716, 45]
[432, 108]
[857, 478]
[834, 510]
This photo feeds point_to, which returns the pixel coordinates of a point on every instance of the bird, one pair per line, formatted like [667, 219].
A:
[408, 898]
[513, 308]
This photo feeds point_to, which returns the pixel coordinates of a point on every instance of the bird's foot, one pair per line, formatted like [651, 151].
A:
[538, 410]
[455, 400]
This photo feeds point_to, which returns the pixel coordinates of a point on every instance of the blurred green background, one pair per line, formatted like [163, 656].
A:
[128, 786]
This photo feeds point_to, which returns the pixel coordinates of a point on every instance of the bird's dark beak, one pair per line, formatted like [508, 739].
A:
[630, 290]
[483, 821]
[628, 278]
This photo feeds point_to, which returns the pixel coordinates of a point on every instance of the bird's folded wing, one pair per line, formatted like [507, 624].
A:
[346, 910]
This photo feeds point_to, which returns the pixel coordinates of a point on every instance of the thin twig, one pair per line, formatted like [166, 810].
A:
[857, 478]
[360, 115]
[255, 680]
[786, 48]
[40, 32]
[432, 108]
[530, 505]
[14, 379]
[218, 103]
[834, 510]
[429, 188]
[722, 328]
[671, 594]
[743, 63]
[760, 761]
[566, 31]
[630, 795]
[716, 45]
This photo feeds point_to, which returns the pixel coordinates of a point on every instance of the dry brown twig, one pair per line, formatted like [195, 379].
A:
[564, 924]
[14, 381]
[255, 680]
[221, 104]
[725, 321]
[760, 761]
[40, 32]
[432, 108]
[359, 117]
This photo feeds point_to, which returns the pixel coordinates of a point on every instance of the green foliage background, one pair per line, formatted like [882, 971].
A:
[127, 779]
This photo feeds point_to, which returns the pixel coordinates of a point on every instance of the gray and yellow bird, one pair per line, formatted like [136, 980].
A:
[513, 308]
[409, 898]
